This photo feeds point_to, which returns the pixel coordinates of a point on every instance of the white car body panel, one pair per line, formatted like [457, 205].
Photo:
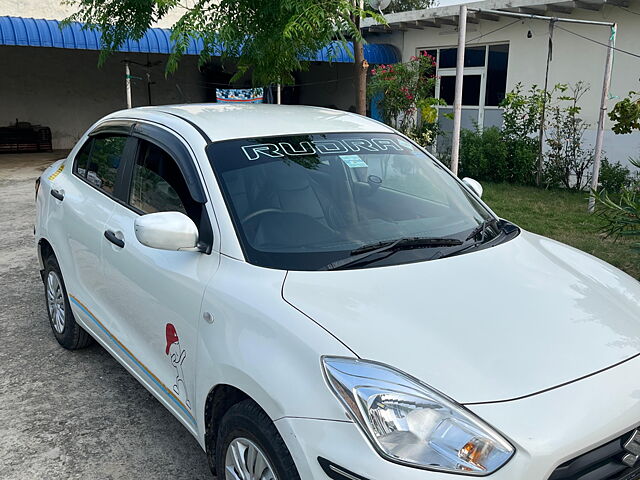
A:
[526, 334]
[229, 121]
[253, 337]
[501, 347]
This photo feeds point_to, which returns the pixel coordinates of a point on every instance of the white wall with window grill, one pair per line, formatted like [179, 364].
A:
[525, 48]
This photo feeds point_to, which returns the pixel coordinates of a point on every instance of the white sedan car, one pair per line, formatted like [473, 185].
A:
[314, 296]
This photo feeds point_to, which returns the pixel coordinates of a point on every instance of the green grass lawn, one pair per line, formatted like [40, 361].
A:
[561, 215]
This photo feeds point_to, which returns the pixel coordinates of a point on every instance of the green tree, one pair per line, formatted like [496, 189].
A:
[406, 5]
[268, 38]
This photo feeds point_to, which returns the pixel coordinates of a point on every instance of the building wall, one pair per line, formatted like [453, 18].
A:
[67, 91]
[328, 85]
[57, 10]
[574, 59]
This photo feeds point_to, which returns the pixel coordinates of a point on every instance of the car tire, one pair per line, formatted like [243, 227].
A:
[63, 324]
[247, 425]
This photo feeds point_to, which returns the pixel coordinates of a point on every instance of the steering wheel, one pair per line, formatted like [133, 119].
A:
[264, 211]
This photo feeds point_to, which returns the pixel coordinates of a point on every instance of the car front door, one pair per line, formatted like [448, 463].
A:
[156, 295]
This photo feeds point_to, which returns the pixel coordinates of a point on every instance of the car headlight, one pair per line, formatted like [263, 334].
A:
[409, 423]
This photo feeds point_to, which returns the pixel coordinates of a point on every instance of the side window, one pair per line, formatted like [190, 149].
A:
[158, 185]
[104, 161]
[82, 159]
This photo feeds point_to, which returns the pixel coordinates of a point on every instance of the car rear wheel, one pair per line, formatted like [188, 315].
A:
[68, 333]
[249, 447]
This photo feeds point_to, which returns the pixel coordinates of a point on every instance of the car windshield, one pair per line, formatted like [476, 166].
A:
[302, 202]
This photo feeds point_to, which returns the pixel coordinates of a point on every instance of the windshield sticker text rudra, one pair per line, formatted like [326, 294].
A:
[323, 147]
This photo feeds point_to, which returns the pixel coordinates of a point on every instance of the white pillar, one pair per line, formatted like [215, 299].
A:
[127, 82]
[457, 102]
[603, 113]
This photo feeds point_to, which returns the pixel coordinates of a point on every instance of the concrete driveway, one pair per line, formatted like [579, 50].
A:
[69, 415]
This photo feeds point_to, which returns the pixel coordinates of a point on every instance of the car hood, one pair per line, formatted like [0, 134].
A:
[492, 325]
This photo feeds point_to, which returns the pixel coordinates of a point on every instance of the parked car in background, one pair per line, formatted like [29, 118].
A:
[315, 296]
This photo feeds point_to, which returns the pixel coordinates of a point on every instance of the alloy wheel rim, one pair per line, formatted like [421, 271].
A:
[246, 461]
[55, 301]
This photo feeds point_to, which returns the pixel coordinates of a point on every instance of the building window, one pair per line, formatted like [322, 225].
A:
[470, 89]
[483, 87]
[497, 60]
[491, 62]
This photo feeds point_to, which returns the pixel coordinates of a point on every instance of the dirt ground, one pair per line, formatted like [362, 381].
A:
[69, 415]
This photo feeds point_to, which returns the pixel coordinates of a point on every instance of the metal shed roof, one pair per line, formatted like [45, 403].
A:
[35, 32]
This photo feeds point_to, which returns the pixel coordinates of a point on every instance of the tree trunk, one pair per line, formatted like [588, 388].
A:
[361, 78]
[361, 67]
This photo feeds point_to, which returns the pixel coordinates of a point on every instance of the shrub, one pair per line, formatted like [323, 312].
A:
[614, 176]
[567, 162]
[472, 162]
[622, 217]
[510, 154]
[493, 156]
[523, 112]
[483, 155]
[523, 160]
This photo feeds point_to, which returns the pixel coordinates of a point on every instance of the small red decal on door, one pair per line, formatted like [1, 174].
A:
[177, 357]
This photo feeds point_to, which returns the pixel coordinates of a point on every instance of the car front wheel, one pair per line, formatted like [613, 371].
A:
[249, 447]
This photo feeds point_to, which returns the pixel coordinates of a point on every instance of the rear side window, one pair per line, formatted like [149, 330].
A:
[158, 185]
[82, 159]
[98, 161]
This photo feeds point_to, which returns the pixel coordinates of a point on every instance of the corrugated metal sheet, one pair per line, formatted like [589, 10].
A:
[34, 32]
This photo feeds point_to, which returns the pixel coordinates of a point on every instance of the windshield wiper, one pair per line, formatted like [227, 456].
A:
[482, 229]
[505, 230]
[408, 243]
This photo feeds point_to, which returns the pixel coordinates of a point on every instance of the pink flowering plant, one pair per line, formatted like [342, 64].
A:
[403, 90]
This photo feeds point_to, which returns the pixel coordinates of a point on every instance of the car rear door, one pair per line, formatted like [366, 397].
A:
[82, 201]
[155, 295]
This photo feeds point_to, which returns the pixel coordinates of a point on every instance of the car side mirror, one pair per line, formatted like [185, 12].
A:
[167, 231]
[473, 185]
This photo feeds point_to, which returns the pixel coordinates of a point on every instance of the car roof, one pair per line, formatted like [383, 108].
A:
[229, 121]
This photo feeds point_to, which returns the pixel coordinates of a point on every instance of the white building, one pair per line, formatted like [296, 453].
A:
[504, 51]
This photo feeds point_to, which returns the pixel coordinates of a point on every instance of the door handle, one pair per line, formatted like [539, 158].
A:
[57, 194]
[111, 236]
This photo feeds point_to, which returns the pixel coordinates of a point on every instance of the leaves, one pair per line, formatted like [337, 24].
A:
[523, 111]
[270, 39]
[626, 114]
[622, 218]
[406, 5]
[491, 154]
[614, 177]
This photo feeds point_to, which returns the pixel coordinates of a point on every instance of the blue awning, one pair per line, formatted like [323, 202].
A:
[35, 32]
